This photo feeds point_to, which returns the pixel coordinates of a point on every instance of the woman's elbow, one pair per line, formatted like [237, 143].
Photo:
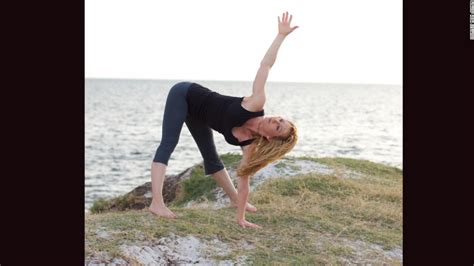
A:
[266, 64]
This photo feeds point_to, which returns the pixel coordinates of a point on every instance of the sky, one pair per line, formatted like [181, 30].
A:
[338, 41]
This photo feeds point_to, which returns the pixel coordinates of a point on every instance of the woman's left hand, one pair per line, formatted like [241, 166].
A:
[245, 224]
[284, 26]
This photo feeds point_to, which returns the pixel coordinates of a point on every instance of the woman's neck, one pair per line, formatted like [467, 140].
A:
[253, 124]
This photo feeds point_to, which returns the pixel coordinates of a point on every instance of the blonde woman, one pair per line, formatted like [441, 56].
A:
[241, 120]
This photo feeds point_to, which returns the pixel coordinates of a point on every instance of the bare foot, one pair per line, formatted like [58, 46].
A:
[249, 207]
[161, 211]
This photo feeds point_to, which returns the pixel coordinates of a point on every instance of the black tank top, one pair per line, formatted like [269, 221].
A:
[219, 112]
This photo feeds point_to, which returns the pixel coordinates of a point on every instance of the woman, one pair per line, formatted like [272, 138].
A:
[240, 120]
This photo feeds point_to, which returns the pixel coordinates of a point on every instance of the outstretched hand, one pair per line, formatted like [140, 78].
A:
[284, 26]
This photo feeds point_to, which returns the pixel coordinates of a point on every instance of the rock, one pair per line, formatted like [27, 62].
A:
[178, 250]
[140, 197]
[102, 259]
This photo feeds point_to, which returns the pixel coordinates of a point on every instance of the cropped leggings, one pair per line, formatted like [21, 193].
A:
[176, 113]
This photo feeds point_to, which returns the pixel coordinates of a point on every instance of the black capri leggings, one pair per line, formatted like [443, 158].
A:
[176, 113]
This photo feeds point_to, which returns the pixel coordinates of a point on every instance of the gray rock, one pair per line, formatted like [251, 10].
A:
[178, 250]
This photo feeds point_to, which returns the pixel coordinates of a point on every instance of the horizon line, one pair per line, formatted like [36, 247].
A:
[225, 80]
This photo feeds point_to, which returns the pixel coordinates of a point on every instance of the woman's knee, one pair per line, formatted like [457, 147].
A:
[211, 167]
[164, 151]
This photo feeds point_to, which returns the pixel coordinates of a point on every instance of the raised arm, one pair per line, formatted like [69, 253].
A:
[243, 188]
[258, 90]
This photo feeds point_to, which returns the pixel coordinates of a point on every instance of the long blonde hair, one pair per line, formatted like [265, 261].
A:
[264, 151]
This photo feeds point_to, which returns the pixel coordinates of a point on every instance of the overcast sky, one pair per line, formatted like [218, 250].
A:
[342, 41]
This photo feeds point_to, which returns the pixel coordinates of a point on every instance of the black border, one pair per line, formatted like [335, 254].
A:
[42, 190]
[438, 79]
[42, 178]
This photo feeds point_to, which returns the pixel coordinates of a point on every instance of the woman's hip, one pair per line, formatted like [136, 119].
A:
[180, 88]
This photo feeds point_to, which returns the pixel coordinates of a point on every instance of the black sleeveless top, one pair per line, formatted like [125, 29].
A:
[219, 112]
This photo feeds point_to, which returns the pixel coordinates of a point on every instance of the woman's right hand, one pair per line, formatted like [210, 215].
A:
[245, 224]
[284, 27]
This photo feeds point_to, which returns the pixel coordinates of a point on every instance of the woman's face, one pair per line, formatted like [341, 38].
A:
[274, 126]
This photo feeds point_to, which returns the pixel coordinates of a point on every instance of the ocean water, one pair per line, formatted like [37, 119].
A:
[123, 126]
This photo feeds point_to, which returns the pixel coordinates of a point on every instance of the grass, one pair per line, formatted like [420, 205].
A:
[231, 160]
[200, 187]
[197, 187]
[120, 203]
[100, 205]
[362, 166]
[305, 218]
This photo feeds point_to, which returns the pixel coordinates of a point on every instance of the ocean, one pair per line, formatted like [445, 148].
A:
[123, 126]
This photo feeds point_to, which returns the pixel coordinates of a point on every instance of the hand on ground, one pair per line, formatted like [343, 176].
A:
[245, 224]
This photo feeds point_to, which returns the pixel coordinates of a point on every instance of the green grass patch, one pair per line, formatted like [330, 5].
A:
[231, 160]
[320, 184]
[197, 187]
[100, 205]
[362, 166]
[120, 203]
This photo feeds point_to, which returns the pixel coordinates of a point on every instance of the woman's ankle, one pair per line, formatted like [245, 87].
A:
[157, 203]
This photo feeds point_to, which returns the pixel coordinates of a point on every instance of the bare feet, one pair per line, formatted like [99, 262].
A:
[161, 210]
[249, 207]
